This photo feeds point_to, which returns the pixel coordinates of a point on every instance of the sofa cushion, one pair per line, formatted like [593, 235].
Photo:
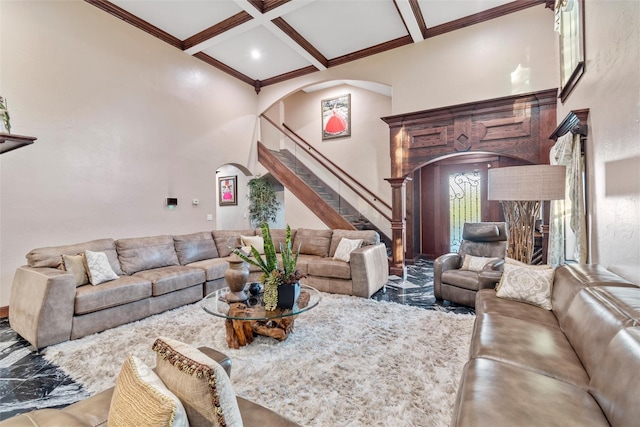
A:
[369, 237]
[168, 279]
[313, 242]
[195, 247]
[124, 290]
[98, 268]
[200, 383]
[52, 256]
[141, 399]
[345, 247]
[144, 253]
[278, 236]
[615, 384]
[526, 283]
[529, 346]
[227, 240]
[75, 264]
[462, 278]
[488, 303]
[213, 268]
[493, 393]
[328, 267]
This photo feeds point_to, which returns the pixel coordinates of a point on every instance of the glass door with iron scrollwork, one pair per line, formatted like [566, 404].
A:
[465, 203]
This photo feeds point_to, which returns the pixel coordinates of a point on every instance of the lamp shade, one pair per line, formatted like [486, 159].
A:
[534, 182]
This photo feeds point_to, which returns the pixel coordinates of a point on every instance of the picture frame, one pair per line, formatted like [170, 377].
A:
[336, 117]
[572, 59]
[228, 190]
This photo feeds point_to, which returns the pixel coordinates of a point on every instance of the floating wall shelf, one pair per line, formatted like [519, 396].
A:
[10, 141]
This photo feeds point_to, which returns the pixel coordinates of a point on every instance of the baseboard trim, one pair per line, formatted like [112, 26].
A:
[4, 312]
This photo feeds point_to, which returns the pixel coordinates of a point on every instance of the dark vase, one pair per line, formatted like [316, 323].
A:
[288, 295]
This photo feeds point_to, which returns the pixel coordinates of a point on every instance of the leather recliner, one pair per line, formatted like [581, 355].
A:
[453, 283]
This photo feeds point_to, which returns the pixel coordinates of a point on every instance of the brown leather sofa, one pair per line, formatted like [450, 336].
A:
[94, 411]
[576, 365]
[479, 239]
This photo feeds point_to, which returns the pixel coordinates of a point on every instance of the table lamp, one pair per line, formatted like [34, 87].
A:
[520, 190]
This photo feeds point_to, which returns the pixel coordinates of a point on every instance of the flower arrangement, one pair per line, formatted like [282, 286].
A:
[272, 275]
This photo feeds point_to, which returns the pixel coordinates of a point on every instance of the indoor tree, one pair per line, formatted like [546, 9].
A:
[263, 205]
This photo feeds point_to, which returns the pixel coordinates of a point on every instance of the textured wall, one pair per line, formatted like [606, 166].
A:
[610, 89]
[123, 121]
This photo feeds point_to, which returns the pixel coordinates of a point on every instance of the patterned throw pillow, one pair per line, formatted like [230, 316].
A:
[255, 241]
[476, 263]
[345, 247]
[201, 384]
[141, 399]
[98, 267]
[527, 284]
[74, 264]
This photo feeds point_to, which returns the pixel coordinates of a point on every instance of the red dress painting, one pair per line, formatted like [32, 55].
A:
[336, 124]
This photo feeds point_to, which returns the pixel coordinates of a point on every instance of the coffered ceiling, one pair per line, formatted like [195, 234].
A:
[265, 42]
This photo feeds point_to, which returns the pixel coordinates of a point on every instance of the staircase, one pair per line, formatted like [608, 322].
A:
[329, 197]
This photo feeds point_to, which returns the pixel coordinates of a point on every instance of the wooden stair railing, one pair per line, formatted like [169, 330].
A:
[333, 168]
[301, 190]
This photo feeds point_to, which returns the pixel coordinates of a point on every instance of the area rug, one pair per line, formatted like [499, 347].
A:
[349, 362]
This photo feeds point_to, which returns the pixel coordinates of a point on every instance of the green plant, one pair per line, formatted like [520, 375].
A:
[272, 275]
[263, 205]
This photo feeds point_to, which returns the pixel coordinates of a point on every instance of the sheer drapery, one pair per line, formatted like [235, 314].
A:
[567, 152]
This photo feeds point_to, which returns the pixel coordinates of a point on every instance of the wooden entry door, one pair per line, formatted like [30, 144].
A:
[439, 214]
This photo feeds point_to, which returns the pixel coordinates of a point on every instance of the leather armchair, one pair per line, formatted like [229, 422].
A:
[481, 239]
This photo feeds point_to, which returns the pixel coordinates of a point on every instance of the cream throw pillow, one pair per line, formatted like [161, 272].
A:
[526, 283]
[201, 384]
[476, 263]
[345, 247]
[99, 269]
[255, 241]
[74, 264]
[140, 399]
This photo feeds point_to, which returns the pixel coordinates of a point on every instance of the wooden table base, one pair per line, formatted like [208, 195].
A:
[242, 332]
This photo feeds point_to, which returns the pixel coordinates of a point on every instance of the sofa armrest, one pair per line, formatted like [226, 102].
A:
[41, 305]
[443, 263]
[221, 358]
[369, 269]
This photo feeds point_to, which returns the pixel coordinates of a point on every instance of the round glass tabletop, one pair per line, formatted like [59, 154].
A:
[216, 304]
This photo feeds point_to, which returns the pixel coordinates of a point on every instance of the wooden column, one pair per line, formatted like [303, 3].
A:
[398, 224]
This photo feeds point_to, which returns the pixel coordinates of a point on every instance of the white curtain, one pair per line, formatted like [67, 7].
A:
[567, 152]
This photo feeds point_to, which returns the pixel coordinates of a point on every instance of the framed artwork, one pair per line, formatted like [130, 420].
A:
[227, 190]
[571, 28]
[336, 117]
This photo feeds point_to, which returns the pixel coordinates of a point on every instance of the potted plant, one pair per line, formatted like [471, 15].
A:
[281, 284]
[263, 205]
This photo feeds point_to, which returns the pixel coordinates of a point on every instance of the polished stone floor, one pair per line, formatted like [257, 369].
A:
[28, 382]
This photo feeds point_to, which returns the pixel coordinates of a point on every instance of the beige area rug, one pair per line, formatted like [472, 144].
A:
[349, 362]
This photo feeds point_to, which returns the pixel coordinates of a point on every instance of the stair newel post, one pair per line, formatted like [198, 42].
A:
[398, 224]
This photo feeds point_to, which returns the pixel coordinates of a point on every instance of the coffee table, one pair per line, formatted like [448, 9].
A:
[244, 319]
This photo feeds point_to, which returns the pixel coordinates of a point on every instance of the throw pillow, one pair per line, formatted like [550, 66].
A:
[255, 241]
[98, 267]
[345, 247]
[201, 384]
[475, 263]
[141, 399]
[74, 264]
[527, 284]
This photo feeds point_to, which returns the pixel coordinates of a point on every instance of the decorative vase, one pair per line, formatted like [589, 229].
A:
[288, 295]
[236, 277]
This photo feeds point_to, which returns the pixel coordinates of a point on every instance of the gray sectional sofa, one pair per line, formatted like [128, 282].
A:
[48, 305]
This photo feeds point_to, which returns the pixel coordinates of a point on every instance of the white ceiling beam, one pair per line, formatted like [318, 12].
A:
[410, 19]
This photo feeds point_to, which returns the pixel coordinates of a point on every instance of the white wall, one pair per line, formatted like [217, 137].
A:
[610, 89]
[123, 121]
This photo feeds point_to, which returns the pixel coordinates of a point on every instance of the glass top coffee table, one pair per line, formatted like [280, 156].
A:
[247, 318]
